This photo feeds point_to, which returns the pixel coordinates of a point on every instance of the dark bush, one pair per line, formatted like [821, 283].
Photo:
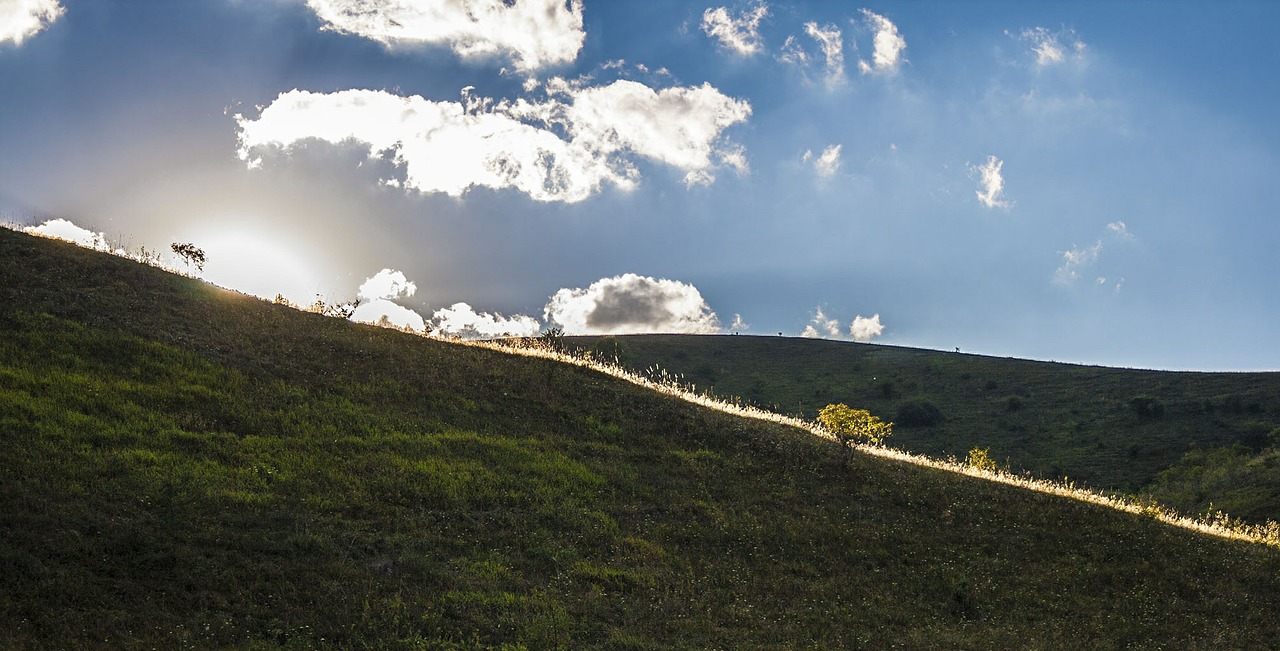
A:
[1014, 403]
[1146, 408]
[918, 413]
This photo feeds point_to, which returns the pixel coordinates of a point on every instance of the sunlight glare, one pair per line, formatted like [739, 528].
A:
[260, 264]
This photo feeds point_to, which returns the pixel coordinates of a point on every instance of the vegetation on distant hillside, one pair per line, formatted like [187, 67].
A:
[184, 467]
[1112, 429]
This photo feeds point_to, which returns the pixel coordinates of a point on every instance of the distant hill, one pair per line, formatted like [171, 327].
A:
[185, 467]
[1189, 439]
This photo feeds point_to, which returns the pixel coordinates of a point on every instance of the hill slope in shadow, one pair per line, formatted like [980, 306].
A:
[184, 466]
[1189, 439]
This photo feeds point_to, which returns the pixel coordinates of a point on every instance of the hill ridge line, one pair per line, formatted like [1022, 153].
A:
[1216, 524]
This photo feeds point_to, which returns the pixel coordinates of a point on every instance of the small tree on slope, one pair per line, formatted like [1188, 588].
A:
[851, 426]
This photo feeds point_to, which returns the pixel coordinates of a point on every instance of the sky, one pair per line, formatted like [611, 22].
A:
[1090, 182]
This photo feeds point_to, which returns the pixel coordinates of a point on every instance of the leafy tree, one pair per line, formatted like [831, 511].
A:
[189, 254]
[851, 426]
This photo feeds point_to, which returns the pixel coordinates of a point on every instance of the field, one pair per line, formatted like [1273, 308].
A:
[1191, 440]
[185, 467]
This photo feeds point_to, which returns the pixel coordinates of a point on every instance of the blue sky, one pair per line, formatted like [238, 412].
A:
[1085, 182]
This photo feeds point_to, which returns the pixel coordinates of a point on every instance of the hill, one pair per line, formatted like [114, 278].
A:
[182, 466]
[1191, 440]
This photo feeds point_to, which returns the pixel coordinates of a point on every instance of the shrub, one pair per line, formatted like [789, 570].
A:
[1146, 408]
[1014, 403]
[919, 413]
[980, 458]
[853, 425]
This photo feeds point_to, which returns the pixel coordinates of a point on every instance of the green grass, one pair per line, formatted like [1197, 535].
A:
[1113, 429]
[182, 467]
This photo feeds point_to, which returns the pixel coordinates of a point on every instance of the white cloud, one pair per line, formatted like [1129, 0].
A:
[561, 149]
[1052, 48]
[21, 19]
[861, 329]
[63, 229]
[741, 35]
[1120, 230]
[389, 284]
[821, 325]
[533, 33]
[377, 295]
[461, 320]
[829, 41]
[1075, 260]
[632, 304]
[825, 164]
[383, 312]
[886, 55]
[739, 324]
[865, 329]
[990, 182]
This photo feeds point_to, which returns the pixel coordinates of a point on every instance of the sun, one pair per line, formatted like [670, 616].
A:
[260, 263]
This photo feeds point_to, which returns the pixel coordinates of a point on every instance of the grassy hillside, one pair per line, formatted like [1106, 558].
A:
[1190, 439]
[182, 467]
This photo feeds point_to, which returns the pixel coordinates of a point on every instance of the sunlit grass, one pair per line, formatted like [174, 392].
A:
[1214, 523]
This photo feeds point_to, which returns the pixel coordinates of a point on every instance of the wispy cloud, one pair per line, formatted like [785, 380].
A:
[1080, 261]
[630, 303]
[739, 324]
[461, 320]
[532, 33]
[561, 149]
[22, 19]
[888, 48]
[825, 164]
[990, 182]
[1053, 48]
[830, 43]
[739, 34]
[1074, 260]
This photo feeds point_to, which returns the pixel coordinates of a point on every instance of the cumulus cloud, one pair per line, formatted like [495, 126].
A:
[632, 304]
[888, 45]
[21, 19]
[461, 320]
[990, 183]
[532, 33]
[1052, 48]
[821, 326]
[739, 324]
[861, 329]
[63, 229]
[389, 284]
[740, 34]
[378, 294]
[562, 149]
[865, 329]
[825, 164]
